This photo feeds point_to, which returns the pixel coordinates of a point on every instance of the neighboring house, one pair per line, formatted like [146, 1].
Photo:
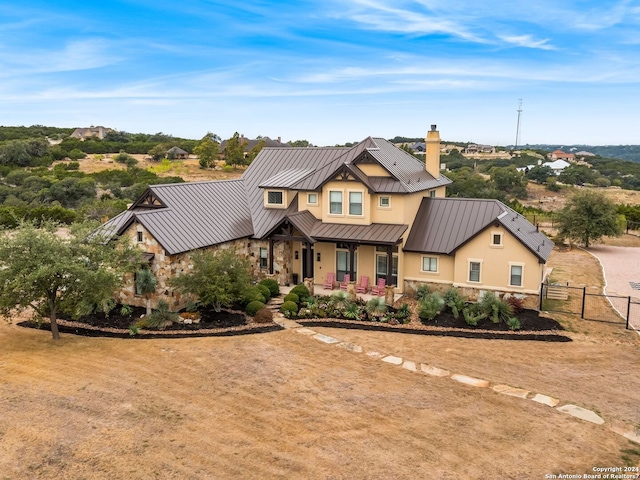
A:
[91, 132]
[371, 209]
[418, 147]
[558, 166]
[176, 153]
[560, 155]
[473, 148]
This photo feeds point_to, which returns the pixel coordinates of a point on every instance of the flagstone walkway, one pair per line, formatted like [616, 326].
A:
[627, 431]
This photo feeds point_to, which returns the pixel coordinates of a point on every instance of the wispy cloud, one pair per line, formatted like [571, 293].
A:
[527, 41]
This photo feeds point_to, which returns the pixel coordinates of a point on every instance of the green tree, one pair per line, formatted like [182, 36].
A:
[587, 217]
[253, 153]
[207, 150]
[510, 180]
[217, 278]
[234, 151]
[146, 284]
[539, 174]
[158, 152]
[577, 175]
[50, 273]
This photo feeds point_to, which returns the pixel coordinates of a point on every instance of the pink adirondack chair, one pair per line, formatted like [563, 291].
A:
[330, 283]
[345, 282]
[363, 286]
[379, 288]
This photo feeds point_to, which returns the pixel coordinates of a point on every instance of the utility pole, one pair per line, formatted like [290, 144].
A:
[518, 125]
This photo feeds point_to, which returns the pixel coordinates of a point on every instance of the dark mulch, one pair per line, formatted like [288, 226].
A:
[533, 327]
[212, 323]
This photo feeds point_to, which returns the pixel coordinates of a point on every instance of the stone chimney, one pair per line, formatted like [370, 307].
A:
[432, 159]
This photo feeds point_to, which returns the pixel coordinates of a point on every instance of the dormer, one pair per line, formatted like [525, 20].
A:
[276, 198]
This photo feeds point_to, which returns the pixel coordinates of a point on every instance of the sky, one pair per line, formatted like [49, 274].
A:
[330, 71]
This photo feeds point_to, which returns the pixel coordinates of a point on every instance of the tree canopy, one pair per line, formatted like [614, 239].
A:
[52, 272]
[587, 217]
[207, 150]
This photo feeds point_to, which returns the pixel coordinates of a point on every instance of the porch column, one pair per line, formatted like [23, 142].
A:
[389, 264]
[352, 251]
[308, 260]
[271, 242]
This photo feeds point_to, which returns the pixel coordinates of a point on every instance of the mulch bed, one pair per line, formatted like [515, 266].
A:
[533, 327]
[116, 325]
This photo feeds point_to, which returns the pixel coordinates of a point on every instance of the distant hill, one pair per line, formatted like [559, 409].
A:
[623, 152]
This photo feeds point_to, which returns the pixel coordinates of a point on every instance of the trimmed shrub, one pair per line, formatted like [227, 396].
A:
[272, 285]
[253, 308]
[301, 291]
[252, 294]
[430, 307]
[289, 309]
[264, 290]
[292, 297]
[264, 315]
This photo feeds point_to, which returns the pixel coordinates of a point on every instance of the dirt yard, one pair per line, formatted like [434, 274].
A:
[540, 197]
[283, 405]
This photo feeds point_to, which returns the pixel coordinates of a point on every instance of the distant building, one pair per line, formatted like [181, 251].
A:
[91, 132]
[558, 166]
[560, 155]
[585, 154]
[475, 148]
[176, 153]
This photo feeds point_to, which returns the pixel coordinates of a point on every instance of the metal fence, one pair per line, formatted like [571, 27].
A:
[590, 306]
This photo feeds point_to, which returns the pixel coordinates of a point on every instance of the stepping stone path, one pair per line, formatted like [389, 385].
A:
[620, 428]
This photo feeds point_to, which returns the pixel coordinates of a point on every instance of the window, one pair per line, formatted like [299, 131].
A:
[384, 202]
[343, 263]
[496, 239]
[335, 203]
[515, 277]
[381, 268]
[432, 193]
[312, 198]
[263, 258]
[474, 271]
[355, 203]
[429, 264]
[139, 236]
[275, 198]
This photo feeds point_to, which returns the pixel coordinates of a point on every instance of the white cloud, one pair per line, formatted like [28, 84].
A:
[527, 41]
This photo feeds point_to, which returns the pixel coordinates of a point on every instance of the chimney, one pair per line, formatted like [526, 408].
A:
[279, 139]
[432, 160]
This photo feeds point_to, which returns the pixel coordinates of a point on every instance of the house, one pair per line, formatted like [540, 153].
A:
[371, 209]
[560, 155]
[176, 153]
[558, 166]
[91, 132]
[473, 148]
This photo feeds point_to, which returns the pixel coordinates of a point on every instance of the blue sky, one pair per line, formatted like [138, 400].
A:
[328, 71]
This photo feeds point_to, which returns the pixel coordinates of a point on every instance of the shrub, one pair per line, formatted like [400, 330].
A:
[352, 311]
[264, 315]
[376, 307]
[160, 319]
[516, 303]
[403, 314]
[272, 285]
[292, 297]
[495, 308]
[340, 298]
[301, 291]
[430, 306]
[253, 294]
[513, 323]
[253, 307]
[472, 315]
[126, 310]
[264, 290]
[454, 301]
[422, 292]
[289, 309]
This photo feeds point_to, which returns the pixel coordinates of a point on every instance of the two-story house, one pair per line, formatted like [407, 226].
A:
[368, 210]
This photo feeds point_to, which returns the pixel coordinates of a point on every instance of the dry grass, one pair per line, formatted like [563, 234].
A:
[540, 197]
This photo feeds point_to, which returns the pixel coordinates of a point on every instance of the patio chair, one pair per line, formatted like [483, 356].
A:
[330, 283]
[379, 288]
[345, 282]
[363, 286]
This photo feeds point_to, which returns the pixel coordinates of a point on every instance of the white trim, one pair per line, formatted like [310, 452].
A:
[341, 192]
[430, 272]
[496, 245]
[516, 264]
[469, 262]
[317, 198]
[386, 207]
[348, 203]
[275, 205]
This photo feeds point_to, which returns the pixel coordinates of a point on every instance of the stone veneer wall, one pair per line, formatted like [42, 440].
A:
[165, 267]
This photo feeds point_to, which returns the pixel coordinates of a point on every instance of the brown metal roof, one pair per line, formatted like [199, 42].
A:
[442, 225]
[375, 234]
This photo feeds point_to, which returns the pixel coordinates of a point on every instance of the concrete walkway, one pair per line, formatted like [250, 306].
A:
[628, 431]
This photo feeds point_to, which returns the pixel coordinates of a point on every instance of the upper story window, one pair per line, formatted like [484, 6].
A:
[432, 193]
[335, 202]
[496, 239]
[384, 202]
[140, 236]
[355, 203]
[275, 198]
[312, 198]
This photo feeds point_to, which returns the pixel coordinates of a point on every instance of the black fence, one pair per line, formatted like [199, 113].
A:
[590, 306]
